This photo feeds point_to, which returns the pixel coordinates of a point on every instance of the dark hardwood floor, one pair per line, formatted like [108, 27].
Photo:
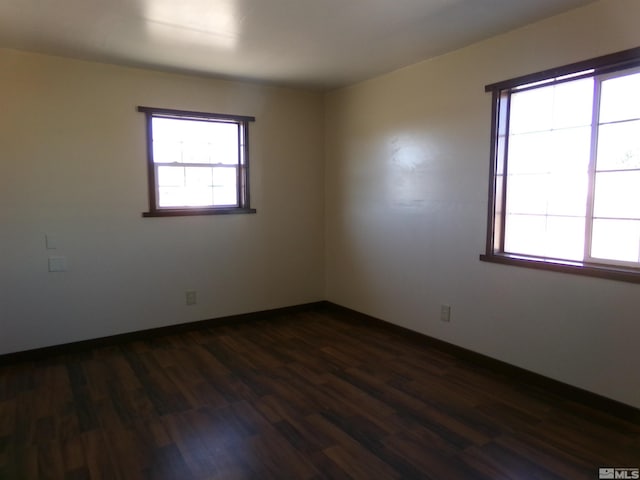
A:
[311, 394]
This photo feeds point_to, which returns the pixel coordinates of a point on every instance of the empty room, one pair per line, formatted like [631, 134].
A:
[327, 239]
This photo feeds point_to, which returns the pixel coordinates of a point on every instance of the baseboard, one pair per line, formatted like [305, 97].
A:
[506, 370]
[83, 345]
[511, 372]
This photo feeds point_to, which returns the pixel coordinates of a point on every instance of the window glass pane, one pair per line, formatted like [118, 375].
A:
[224, 146]
[527, 194]
[531, 110]
[567, 194]
[529, 153]
[198, 197]
[168, 129]
[620, 98]
[525, 234]
[171, 176]
[197, 151]
[199, 186]
[617, 194]
[559, 194]
[197, 177]
[185, 187]
[565, 238]
[167, 152]
[569, 150]
[545, 236]
[212, 142]
[568, 104]
[171, 197]
[573, 103]
[194, 141]
[619, 146]
[168, 140]
[616, 240]
[565, 150]
[225, 186]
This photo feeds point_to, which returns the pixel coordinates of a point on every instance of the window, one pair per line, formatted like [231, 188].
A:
[565, 173]
[198, 163]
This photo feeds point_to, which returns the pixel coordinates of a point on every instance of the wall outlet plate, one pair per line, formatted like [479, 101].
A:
[51, 241]
[191, 297]
[57, 264]
[445, 313]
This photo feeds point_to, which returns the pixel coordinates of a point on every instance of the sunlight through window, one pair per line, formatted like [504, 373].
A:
[197, 161]
[566, 177]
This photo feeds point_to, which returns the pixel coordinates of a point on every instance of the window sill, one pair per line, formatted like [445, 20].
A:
[190, 212]
[577, 268]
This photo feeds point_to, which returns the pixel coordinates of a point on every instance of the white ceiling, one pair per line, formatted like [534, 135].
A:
[312, 43]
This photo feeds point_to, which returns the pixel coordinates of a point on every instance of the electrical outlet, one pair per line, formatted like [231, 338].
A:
[445, 313]
[191, 297]
[57, 264]
[51, 241]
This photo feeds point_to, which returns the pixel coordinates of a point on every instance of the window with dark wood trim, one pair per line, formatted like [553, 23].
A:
[564, 191]
[197, 162]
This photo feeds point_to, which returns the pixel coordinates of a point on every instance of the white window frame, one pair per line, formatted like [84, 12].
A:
[599, 79]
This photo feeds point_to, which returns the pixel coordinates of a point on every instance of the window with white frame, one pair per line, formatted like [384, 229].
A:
[565, 181]
[197, 162]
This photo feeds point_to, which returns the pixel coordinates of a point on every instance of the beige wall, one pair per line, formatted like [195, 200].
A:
[72, 164]
[407, 165]
[405, 181]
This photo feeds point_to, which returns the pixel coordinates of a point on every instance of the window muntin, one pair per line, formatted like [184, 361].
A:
[197, 162]
[565, 182]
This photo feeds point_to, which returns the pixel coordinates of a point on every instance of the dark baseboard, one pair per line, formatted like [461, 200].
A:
[518, 375]
[84, 345]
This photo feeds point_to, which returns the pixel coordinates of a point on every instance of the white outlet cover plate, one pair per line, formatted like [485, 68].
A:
[57, 264]
[51, 241]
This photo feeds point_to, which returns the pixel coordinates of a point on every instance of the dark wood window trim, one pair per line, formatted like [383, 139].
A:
[606, 63]
[243, 173]
[563, 266]
[495, 219]
[192, 212]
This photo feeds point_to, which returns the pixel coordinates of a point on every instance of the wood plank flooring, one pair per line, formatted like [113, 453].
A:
[305, 395]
